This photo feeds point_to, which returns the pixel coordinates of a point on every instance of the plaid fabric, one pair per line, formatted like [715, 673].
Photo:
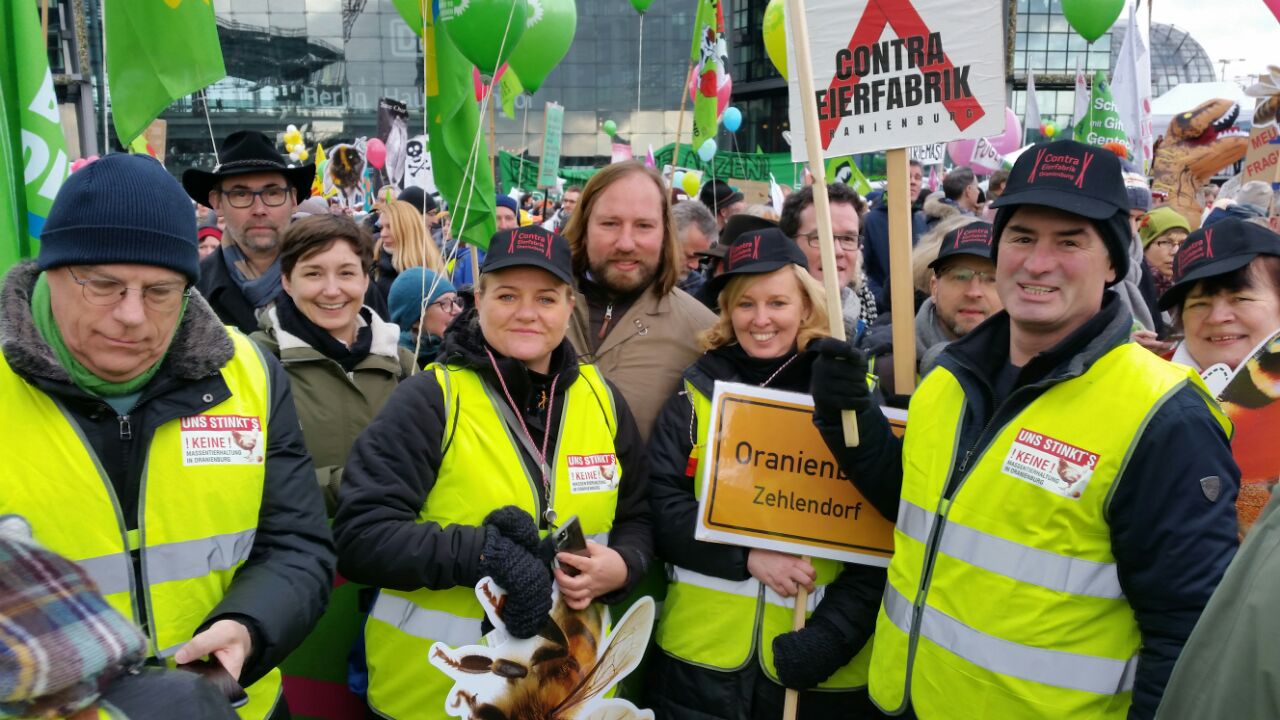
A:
[59, 640]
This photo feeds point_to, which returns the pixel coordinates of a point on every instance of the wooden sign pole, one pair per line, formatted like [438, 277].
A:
[901, 286]
[822, 211]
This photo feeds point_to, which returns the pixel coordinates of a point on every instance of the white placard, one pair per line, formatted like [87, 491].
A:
[900, 73]
[931, 154]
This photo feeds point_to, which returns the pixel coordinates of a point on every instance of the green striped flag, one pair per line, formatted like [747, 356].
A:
[33, 153]
[158, 52]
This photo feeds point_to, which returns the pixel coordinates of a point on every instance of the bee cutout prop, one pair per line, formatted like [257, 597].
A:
[563, 672]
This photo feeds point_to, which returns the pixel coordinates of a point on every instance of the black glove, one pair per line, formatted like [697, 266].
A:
[806, 657]
[516, 567]
[838, 380]
[516, 525]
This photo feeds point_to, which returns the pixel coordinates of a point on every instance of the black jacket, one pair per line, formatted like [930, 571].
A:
[1171, 543]
[283, 587]
[392, 468]
[851, 601]
[231, 306]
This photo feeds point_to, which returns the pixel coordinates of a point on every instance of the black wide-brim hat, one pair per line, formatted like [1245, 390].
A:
[1221, 248]
[756, 253]
[244, 152]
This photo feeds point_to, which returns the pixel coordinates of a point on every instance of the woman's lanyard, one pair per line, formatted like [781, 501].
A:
[541, 456]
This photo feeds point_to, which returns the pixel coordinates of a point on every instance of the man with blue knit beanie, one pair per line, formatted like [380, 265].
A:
[153, 445]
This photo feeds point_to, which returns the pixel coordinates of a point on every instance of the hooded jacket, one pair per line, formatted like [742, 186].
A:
[392, 468]
[282, 588]
[1171, 540]
[850, 602]
[334, 407]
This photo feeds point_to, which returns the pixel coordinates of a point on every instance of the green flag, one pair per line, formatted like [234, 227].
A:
[157, 52]
[453, 127]
[845, 170]
[33, 154]
[509, 88]
[708, 69]
[1101, 124]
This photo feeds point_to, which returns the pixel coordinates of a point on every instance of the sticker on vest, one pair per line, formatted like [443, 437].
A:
[593, 473]
[222, 440]
[1060, 468]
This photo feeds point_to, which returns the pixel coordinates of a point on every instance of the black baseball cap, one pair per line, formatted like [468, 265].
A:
[754, 253]
[1223, 247]
[530, 246]
[1076, 178]
[973, 239]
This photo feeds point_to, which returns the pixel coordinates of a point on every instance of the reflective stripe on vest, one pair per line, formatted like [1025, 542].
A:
[404, 625]
[748, 615]
[197, 520]
[1004, 599]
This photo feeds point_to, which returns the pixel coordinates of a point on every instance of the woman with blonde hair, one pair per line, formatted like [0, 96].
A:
[737, 660]
[403, 243]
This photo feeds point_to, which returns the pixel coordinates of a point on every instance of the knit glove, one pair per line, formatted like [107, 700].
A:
[806, 657]
[514, 565]
[838, 380]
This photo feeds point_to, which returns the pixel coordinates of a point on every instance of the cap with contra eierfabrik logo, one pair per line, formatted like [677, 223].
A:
[1223, 247]
[531, 247]
[762, 251]
[973, 239]
[1069, 176]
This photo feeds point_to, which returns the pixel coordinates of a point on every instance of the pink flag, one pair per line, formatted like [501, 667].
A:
[649, 160]
[1274, 5]
[933, 178]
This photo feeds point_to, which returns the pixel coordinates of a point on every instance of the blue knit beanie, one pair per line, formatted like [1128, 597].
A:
[509, 203]
[404, 302]
[121, 209]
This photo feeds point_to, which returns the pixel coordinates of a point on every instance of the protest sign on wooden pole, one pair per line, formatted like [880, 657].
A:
[822, 211]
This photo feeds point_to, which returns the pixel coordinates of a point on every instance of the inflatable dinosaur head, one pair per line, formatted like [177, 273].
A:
[1198, 144]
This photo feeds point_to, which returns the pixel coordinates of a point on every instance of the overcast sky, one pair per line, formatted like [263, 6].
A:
[1228, 30]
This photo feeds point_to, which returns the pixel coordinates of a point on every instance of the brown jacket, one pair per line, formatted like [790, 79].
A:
[647, 349]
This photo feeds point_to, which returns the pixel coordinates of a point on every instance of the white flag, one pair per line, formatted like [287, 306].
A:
[1082, 96]
[986, 158]
[1031, 118]
[776, 197]
[1131, 88]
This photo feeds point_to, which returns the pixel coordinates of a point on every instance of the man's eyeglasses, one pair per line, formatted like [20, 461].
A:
[848, 243]
[104, 292]
[272, 196]
[1168, 244]
[964, 276]
[446, 303]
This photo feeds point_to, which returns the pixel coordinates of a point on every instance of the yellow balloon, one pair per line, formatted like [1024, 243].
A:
[691, 184]
[303, 155]
[775, 36]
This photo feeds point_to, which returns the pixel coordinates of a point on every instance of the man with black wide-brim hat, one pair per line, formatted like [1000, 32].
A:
[1064, 499]
[255, 190]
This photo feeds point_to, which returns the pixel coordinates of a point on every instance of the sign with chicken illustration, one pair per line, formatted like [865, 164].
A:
[564, 672]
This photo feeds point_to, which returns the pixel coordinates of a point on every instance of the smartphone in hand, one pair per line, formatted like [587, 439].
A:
[569, 538]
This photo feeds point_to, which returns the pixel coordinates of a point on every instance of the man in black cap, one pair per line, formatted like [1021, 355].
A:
[1064, 498]
[722, 199]
[962, 294]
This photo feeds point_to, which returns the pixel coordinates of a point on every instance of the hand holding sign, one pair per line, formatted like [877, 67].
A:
[784, 574]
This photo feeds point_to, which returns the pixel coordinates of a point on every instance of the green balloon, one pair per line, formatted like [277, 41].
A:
[545, 42]
[1092, 18]
[411, 12]
[610, 128]
[641, 5]
[476, 29]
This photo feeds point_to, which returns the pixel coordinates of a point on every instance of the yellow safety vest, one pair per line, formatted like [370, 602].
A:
[1004, 601]
[198, 504]
[719, 624]
[482, 471]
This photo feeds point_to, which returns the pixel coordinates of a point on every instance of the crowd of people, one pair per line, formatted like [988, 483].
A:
[280, 444]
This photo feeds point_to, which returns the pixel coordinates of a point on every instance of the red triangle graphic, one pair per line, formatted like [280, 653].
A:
[902, 17]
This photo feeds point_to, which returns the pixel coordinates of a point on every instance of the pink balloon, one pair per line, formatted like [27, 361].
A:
[376, 153]
[77, 164]
[960, 152]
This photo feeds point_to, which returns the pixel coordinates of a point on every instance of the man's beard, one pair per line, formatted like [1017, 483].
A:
[621, 283]
[260, 243]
